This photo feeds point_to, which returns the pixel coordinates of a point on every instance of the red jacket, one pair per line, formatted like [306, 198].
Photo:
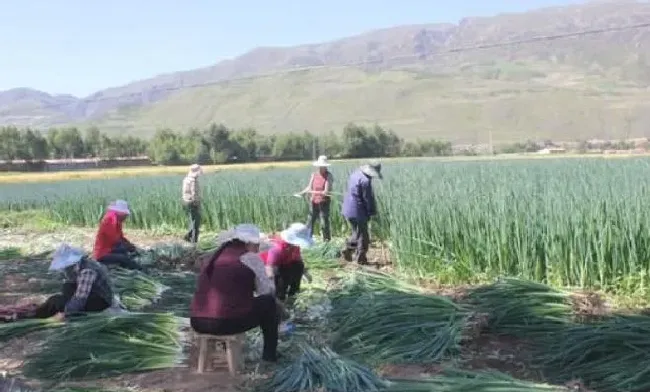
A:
[225, 287]
[108, 235]
[281, 253]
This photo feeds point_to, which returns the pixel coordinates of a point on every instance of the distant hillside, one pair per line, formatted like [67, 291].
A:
[404, 78]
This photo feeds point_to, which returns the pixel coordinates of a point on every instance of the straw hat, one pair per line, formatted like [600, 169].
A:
[195, 170]
[372, 169]
[298, 235]
[245, 232]
[120, 206]
[321, 162]
[65, 256]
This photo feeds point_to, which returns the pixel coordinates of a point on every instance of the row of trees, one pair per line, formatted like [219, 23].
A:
[216, 144]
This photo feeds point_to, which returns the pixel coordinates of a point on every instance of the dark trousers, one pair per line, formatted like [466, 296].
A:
[56, 303]
[121, 257]
[358, 242]
[194, 216]
[322, 211]
[288, 278]
[264, 315]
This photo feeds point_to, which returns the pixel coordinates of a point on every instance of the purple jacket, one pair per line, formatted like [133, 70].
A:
[359, 201]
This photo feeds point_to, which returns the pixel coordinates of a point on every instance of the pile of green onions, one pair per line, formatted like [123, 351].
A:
[321, 369]
[609, 356]
[396, 326]
[21, 328]
[135, 289]
[323, 256]
[102, 346]
[522, 308]
[361, 282]
[464, 381]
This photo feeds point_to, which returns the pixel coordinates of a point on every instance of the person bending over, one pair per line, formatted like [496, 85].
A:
[111, 246]
[225, 303]
[284, 260]
[87, 286]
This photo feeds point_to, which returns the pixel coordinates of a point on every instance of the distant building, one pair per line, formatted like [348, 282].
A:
[552, 150]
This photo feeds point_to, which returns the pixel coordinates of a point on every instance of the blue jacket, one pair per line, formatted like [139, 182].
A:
[359, 201]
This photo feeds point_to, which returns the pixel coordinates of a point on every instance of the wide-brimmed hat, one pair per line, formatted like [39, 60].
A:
[298, 235]
[65, 256]
[321, 162]
[195, 170]
[245, 232]
[372, 169]
[120, 206]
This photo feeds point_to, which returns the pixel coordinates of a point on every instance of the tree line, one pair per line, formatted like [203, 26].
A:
[216, 144]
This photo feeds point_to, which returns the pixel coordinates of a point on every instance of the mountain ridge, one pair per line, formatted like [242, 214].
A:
[392, 63]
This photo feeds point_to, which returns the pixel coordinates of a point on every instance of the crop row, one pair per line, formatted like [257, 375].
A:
[567, 222]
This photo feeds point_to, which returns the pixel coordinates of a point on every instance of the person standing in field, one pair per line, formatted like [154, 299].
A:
[319, 188]
[359, 206]
[192, 202]
[111, 246]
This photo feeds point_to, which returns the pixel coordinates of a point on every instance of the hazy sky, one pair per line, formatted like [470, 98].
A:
[81, 46]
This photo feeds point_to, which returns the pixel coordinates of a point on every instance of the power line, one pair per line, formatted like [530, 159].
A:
[391, 59]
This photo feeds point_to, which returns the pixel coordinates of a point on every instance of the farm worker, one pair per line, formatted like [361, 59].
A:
[319, 188]
[284, 260]
[192, 202]
[111, 247]
[358, 207]
[225, 301]
[87, 286]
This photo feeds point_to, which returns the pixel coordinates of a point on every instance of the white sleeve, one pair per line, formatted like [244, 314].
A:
[263, 284]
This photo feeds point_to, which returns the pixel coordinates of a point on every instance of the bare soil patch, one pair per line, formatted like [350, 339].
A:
[589, 306]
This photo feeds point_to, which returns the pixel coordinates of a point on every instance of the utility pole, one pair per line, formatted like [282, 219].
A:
[490, 142]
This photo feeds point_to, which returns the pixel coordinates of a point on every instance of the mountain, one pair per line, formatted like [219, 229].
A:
[412, 79]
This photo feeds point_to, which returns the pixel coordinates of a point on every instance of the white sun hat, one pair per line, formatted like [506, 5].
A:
[372, 169]
[321, 162]
[196, 170]
[65, 256]
[245, 232]
[297, 234]
[120, 206]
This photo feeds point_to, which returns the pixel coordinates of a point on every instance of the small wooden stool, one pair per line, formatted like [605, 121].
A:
[234, 347]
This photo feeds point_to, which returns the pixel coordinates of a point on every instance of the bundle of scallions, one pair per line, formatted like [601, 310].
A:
[464, 381]
[323, 370]
[361, 282]
[20, 328]
[396, 326]
[608, 356]
[135, 289]
[100, 345]
[522, 308]
[323, 256]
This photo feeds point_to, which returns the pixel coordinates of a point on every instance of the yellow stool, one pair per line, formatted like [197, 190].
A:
[234, 347]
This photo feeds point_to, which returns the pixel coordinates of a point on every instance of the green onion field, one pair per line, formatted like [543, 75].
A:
[536, 259]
